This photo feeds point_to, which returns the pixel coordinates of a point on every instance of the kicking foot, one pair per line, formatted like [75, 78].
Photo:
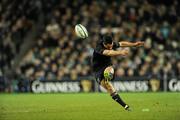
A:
[127, 108]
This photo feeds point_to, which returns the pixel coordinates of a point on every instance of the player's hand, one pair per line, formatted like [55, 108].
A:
[139, 43]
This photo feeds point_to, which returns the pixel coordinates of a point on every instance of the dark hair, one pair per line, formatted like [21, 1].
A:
[107, 39]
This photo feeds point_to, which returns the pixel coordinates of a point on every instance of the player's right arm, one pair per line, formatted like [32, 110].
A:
[115, 52]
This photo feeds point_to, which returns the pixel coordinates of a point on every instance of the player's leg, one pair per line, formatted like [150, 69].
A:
[109, 75]
[115, 96]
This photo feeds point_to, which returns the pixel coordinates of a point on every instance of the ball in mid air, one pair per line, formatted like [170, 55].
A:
[81, 31]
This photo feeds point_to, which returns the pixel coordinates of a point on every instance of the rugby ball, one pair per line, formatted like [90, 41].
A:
[81, 31]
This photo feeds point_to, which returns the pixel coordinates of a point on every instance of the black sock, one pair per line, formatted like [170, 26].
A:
[117, 98]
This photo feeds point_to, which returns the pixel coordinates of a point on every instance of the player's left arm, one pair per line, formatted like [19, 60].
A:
[131, 44]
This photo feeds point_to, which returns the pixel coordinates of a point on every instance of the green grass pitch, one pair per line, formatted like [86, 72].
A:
[89, 106]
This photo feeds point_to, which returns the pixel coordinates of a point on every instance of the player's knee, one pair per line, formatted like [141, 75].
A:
[109, 73]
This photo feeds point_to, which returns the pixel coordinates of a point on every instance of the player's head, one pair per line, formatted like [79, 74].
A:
[108, 42]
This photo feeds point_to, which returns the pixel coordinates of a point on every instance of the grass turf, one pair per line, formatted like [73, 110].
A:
[89, 106]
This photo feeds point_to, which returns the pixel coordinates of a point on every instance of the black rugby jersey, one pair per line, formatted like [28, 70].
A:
[99, 60]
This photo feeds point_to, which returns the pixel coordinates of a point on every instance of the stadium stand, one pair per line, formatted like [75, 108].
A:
[59, 54]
